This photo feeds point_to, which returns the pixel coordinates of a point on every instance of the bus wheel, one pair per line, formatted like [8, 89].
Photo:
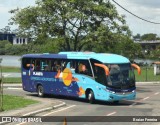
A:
[40, 91]
[91, 97]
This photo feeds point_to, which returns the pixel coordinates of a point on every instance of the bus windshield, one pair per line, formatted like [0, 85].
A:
[121, 76]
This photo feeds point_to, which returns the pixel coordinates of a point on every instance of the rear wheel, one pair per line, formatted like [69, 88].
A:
[40, 91]
[91, 98]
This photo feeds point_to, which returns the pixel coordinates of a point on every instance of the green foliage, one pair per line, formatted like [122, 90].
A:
[149, 37]
[11, 69]
[12, 80]
[155, 54]
[128, 48]
[71, 25]
[3, 45]
[14, 102]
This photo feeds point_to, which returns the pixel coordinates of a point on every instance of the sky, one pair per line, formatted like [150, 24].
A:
[147, 9]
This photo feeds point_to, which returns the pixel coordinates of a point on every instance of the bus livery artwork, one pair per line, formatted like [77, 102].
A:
[94, 76]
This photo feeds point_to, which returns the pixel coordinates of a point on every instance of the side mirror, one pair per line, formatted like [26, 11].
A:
[137, 67]
[106, 69]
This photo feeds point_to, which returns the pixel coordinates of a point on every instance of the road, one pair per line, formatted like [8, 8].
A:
[11, 74]
[147, 103]
[10, 60]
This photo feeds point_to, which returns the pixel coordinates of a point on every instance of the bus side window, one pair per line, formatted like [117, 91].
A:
[100, 75]
[26, 61]
[37, 65]
[55, 65]
[84, 68]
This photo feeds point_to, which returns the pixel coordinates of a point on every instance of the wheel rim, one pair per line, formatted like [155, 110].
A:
[89, 96]
[40, 92]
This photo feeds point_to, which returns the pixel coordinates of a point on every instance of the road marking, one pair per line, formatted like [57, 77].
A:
[156, 93]
[145, 98]
[14, 88]
[5, 75]
[48, 113]
[133, 104]
[59, 110]
[112, 113]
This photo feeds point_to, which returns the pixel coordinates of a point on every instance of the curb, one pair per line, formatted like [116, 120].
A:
[148, 82]
[39, 111]
[45, 109]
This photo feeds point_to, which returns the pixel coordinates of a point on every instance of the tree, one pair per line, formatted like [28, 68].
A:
[128, 48]
[137, 37]
[2, 46]
[149, 37]
[75, 24]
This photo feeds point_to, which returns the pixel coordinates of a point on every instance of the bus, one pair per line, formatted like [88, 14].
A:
[90, 75]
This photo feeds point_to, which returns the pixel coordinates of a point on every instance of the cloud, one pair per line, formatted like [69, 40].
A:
[146, 3]
[147, 9]
[7, 5]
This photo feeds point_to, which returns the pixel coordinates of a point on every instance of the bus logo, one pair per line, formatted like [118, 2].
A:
[66, 76]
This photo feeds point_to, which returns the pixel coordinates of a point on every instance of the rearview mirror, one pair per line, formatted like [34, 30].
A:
[106, 69]
[137, 68]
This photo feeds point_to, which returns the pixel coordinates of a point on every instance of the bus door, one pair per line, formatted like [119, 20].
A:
[26, 73]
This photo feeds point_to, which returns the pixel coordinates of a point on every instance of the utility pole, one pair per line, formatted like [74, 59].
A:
[1, 87]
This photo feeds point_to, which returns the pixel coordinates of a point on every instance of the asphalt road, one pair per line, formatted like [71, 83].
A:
[10, 60]
[147, 103]
[11, 74]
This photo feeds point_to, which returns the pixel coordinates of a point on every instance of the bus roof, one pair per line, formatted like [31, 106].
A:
[102, 57]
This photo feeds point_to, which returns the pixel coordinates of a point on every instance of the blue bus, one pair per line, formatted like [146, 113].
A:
[90, 75]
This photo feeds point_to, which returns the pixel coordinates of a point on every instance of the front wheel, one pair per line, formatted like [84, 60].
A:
[40, 91]
[91, 97]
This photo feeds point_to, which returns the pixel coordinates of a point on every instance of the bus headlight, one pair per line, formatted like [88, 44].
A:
[133, 91]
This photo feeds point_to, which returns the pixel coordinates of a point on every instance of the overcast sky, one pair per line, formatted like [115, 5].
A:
[147, 9]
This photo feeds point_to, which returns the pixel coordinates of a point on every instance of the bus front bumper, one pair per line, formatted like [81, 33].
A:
[121, 96]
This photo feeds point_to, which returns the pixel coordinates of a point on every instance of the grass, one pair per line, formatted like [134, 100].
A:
[147, 74]
[11, 69]
[13, 102]
[12, 80]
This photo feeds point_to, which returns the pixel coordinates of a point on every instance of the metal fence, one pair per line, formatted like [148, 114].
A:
[147, 74]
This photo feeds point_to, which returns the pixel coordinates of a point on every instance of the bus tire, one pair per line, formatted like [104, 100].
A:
[40, 91]
[91, 98]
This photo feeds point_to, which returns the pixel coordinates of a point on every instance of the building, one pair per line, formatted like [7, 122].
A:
[19, 40]
[7, 36]
[12, 38]
[151, 45]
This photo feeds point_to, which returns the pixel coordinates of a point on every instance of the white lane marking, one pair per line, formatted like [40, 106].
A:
[45, 109]
[5, 75]
[59, 110]
[145, 98]
[50, 113]
[112, 113]
[133, 104]
[156, 93]
[14, 88]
